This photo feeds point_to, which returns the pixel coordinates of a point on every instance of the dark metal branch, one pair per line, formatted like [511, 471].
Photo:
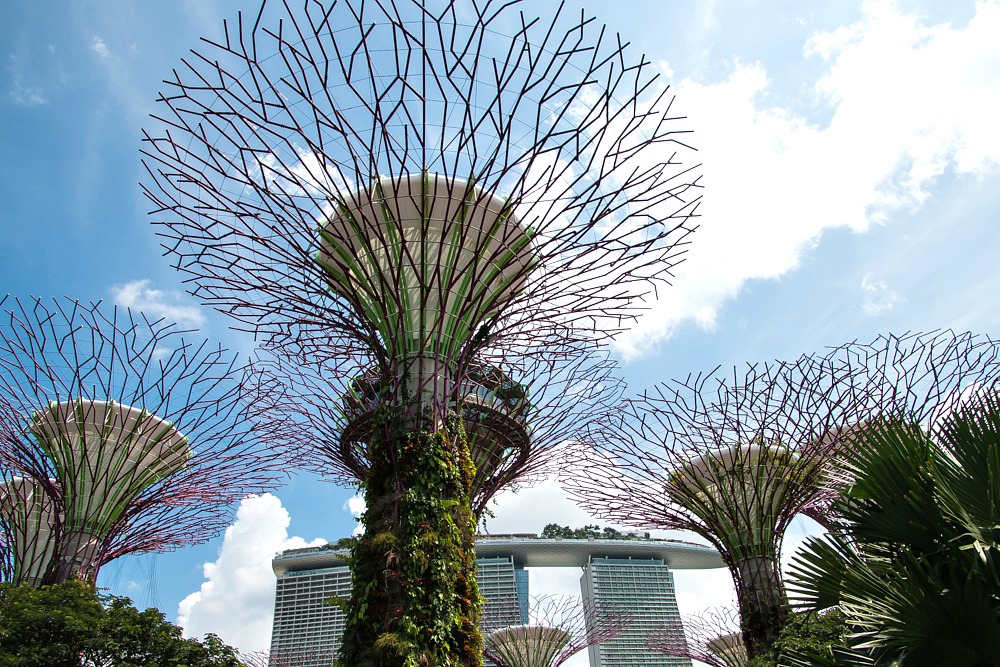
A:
[266, 143]
[118, 435]
[559, 628]
[517, 411]
[735, 457]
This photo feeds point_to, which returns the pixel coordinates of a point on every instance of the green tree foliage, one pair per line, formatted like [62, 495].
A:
[71, 625]
[916, 568]
[554, 530]
[805, 636]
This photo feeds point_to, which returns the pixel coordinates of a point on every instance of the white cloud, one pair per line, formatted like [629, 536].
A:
[26, 96]
[137, 295]
[877, 296]
[356, 506]
[310, 174]
[236, 601]
[906, 102]
[22, 93]
[100, 48]
[529, 510]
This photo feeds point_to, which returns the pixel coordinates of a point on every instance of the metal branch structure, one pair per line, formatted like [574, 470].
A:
[404, 184]
[515, 415]
[29, 520]
[560, 628]
[712, 637]
[408, 188]
[118, 435]
[736, 458]
[284, 658]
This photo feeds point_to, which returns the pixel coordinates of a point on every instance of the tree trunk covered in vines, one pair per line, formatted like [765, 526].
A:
[763, 603]
[414, 599]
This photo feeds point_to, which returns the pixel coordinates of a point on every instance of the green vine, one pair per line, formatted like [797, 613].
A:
[415, 600]
[762, 619]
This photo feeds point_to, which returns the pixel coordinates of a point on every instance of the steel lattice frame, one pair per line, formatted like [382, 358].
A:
[274, 132]
[513, 435]
[119, 435]
[560, 627]
[28, 529]
[736, 458]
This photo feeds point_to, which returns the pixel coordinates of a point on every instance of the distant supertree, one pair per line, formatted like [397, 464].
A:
[735, 459]
[515, 414]
[560, 628]
[259, 659]
[286, 658]
[118, 435]
[712, 637]
[30, 522]
[399, 187]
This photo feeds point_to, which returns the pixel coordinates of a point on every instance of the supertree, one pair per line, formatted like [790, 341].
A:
[285, 658]
[712, 637]
[560, 628]
[28, 529]
[118, 435]
[402, 189]
[513, 426]
[736, 458]
[259, 659]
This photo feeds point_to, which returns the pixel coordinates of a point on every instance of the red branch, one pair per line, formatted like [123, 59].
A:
[77, 354]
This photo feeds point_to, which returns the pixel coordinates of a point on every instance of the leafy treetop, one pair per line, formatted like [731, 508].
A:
[72, 625]
[554, 530]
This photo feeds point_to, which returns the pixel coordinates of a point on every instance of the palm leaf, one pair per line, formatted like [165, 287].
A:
[915, 571]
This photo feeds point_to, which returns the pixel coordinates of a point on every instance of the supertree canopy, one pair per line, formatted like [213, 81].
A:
[736, 458]
[513, 427]
[118, 435]
[30, 522]
[409, 186]
[405, 183]
[560, 628]
[283, 658]
[432, 258]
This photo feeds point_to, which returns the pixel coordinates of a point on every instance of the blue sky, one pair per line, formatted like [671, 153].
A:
[852, 165]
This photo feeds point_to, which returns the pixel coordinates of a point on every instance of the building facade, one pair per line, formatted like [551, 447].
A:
[308, 625]
[644, 587]
[504, 586]
[631, 574]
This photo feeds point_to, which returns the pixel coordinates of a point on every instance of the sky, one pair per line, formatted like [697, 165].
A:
[851, 162]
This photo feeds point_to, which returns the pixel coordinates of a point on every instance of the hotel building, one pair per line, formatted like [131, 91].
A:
[635, 575]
